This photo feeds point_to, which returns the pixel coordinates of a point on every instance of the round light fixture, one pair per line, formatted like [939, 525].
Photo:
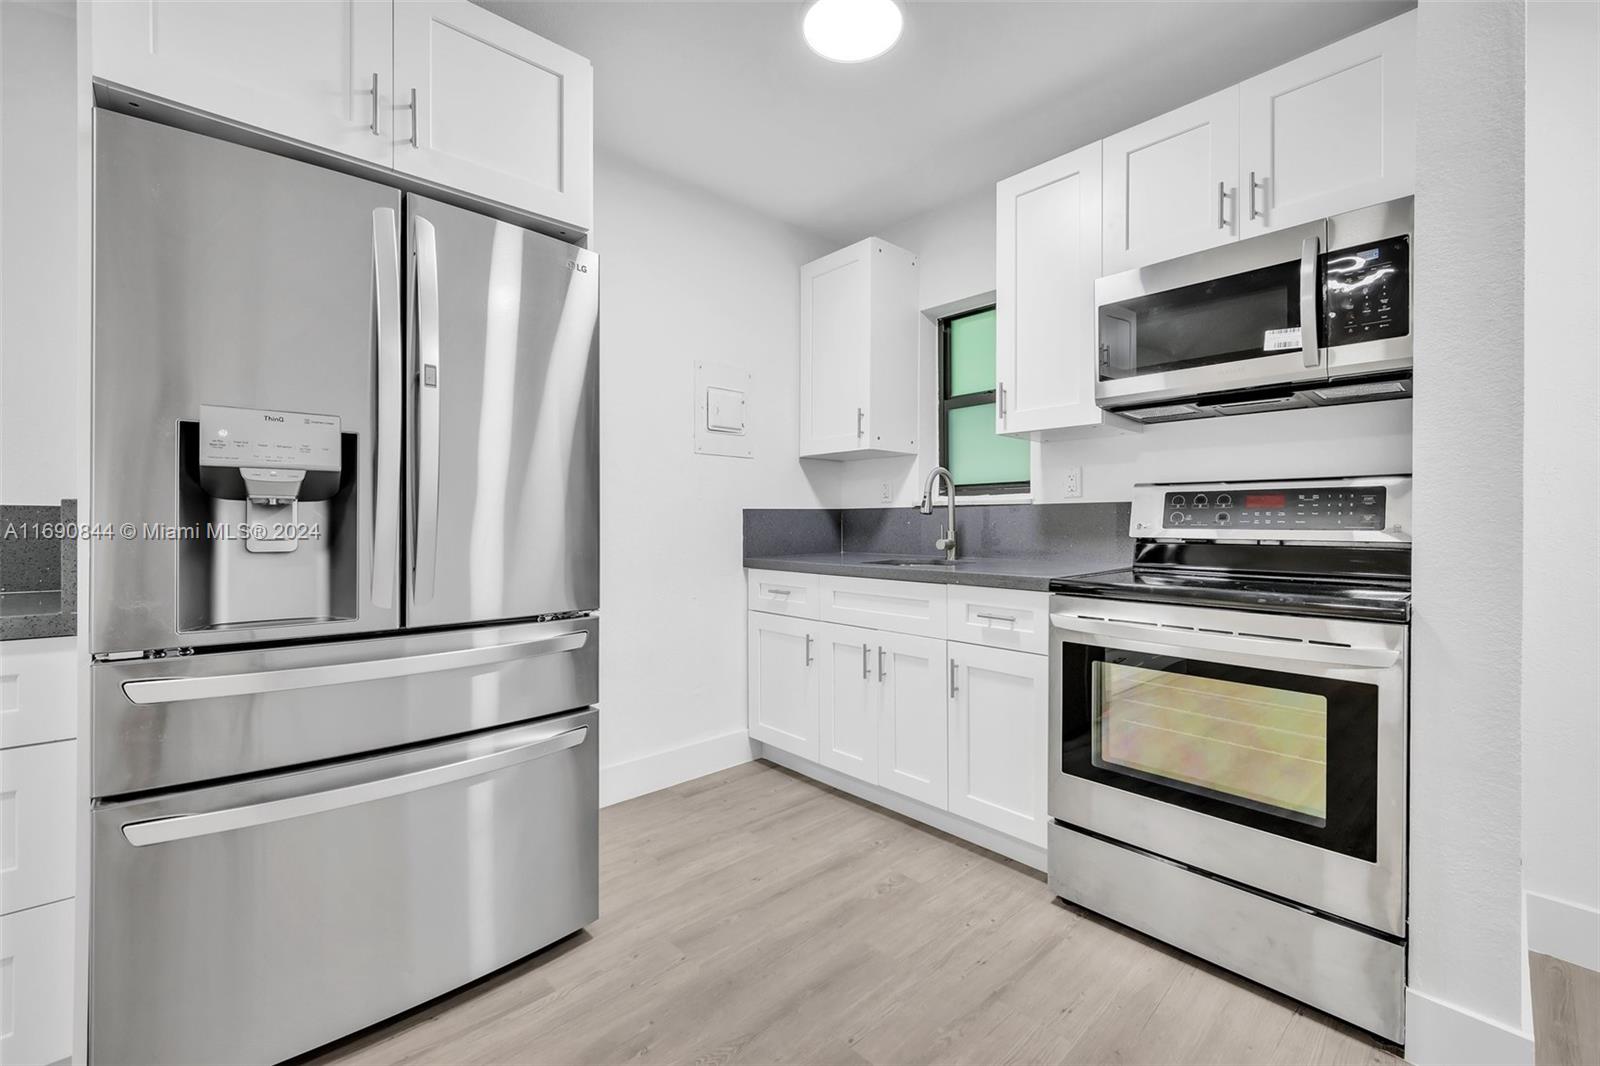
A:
[852, 31]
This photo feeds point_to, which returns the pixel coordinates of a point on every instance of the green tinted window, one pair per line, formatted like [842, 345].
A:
[972, 353]
[980, 460]
[979, 455]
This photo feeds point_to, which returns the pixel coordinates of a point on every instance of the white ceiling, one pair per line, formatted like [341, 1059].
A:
[726, 96]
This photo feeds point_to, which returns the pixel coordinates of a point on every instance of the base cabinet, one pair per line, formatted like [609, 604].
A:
[999, 763]
[36, 959]
[783, 683]
[913, 742]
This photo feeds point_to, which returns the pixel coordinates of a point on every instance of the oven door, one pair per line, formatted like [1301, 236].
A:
[1235, 317]
[1268, 750]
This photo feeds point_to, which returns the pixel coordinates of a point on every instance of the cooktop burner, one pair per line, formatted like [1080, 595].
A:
[1301, 596]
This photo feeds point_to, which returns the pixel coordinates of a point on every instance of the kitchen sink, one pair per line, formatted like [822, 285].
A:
[913, 562]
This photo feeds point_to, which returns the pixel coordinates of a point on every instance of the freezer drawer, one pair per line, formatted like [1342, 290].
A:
[162, 723]
[253, 921]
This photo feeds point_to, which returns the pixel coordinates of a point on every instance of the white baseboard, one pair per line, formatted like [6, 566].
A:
[663, 769]
[1567, 931]
[981, 835]
[1442, 1034]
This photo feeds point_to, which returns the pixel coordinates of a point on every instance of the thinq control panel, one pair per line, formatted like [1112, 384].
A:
[1267, 508]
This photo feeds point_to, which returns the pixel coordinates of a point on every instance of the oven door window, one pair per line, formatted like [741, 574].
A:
[1220, 321]
[1291, 754]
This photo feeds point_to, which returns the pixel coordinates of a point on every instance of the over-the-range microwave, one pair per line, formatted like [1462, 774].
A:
[1309, 315]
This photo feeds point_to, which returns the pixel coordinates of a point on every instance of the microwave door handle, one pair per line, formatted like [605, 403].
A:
[428, 384]
[386, 492]
[1310, 249]
[1094, 630]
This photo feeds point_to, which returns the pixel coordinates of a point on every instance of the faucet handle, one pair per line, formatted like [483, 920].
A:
[945, 543]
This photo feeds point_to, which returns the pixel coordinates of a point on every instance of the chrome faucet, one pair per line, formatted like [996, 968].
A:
[947, 539]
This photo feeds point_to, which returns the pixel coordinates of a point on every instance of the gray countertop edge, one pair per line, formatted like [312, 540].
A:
[1026, 574]
[63, 623]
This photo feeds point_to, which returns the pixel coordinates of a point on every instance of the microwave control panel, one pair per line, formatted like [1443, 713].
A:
[1307, 509]
[1366, 292]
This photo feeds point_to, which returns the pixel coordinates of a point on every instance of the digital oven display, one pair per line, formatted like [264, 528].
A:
[1268, 502]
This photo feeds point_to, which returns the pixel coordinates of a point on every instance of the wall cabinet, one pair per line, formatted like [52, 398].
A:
[1171, 184]
[439, 90]
[494, 109]
[858, 353]
[1330, 131]
[783, 682]
[1048, 256]
[999, 737]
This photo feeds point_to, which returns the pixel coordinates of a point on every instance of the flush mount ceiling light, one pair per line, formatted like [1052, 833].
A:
[852, 31]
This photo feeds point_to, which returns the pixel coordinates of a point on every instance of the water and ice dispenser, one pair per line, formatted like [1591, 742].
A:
[272, 498]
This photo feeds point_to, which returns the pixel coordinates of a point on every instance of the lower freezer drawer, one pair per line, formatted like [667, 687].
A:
[253, 921]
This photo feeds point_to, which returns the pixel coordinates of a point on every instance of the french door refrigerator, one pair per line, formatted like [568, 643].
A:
[344, 624]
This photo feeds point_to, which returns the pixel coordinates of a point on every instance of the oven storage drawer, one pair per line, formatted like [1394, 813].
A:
[166, 723]
[252, 921]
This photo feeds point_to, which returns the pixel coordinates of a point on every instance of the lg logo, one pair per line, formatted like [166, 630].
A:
[581, 268]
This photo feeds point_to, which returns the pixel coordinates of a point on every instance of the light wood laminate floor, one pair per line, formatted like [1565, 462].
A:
[757, 917]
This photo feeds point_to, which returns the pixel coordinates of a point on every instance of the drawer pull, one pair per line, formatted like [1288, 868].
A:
[992, 619]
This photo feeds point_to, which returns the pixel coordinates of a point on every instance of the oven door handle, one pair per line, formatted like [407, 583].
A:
[1187, 640]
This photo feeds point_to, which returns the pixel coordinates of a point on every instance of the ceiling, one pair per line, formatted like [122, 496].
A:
[727, 96]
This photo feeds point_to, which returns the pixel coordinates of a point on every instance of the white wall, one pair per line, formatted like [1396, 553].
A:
[686, 277]
[956, 250]
[1561, 459]
[1467, 975]
[38, 228]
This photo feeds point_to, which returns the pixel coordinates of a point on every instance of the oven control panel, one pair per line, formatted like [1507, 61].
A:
[1367, 292]
[1270, 508]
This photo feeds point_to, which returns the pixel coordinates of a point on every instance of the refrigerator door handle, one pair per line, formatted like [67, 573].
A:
[158, 690]
[249, 816]
[427, 386]
[386, 492]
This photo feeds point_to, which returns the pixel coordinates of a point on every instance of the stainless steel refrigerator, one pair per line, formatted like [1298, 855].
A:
[343, 750]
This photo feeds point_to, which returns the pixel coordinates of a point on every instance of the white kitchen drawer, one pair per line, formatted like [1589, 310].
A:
[1000, 618]
[38, 691]
[897, 606]
[780, 592]
[37, 786]
[36, 985]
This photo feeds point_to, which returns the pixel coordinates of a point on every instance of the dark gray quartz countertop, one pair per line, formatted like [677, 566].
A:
[1032, 574]
[38, 571]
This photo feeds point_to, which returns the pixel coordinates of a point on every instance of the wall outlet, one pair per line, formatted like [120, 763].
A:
[883, 492]
[1072, 482]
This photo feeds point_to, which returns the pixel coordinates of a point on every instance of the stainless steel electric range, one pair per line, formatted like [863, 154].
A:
[1228, 735]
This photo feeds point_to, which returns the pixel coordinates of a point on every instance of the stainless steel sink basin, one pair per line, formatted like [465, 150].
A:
[913, 562]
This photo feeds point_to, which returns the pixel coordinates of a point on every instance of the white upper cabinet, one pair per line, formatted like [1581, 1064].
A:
[1330, 131]
[858, 353]
[1048, 256]
[303, 70]
[1171, 184]
[499, 111]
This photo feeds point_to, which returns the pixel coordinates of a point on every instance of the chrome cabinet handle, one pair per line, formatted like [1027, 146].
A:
[1254, 185]
[880, 663]
[1222, 202]
[866, 662]
[254, 815]
[1311, 355]
[861, 415]
[1008, 619]
[1190, 643]
[1001, 390]
[808, 649]
[779, 592]
[954, 688]
[377, 130]
[414, 118]
[157, 690]
[429, 374]
[386, 493]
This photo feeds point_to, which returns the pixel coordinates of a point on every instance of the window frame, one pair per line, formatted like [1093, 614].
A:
[948, 403]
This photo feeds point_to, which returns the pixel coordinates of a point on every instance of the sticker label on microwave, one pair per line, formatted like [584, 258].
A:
[1281, 340]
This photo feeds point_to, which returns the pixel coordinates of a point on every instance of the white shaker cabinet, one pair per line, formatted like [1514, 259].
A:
[858, 353]
[1331, 131]
[494, 109]
[1171, 184]
[849, 700]
[913, 739]
[316, 71]
[36, 962]
[1048, 256]
[999, 736]
[783, 682]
